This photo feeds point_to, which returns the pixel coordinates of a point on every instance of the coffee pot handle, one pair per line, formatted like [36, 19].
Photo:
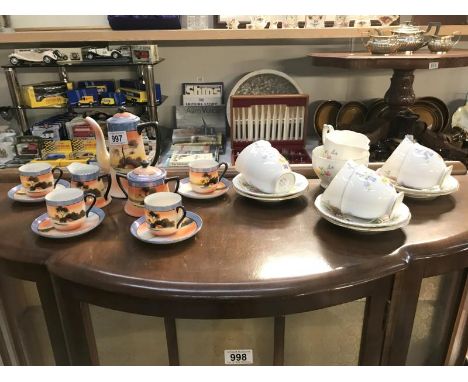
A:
[109, 183]
[327, 129]
[60, 172]
[157, 139]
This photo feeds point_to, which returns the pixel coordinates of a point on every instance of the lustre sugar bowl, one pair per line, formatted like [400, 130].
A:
[143, 181]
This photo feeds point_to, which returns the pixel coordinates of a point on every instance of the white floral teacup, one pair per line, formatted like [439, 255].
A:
[361, 192]
[416, 166]
[327, 168]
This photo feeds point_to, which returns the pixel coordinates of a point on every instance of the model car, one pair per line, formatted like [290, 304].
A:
[107, 101]
[93, 53]
[48, 56]
[86, 100]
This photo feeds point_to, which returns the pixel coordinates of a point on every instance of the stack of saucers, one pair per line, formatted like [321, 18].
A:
[360, 199]
[418, 171]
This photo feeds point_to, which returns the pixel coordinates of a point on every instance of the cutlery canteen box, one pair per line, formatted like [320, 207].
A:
[280, 119]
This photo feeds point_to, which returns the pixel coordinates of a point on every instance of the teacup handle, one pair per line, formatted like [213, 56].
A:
[224, 171]
[89, 195]
[445, 175]
[60, 174]
[109, 183]
[118, 176]
[183, 215]
[177, 180]
[396, 204]
[327, 129]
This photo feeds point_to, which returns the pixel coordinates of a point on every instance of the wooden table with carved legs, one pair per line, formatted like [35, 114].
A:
[21, 261]
[252, 260]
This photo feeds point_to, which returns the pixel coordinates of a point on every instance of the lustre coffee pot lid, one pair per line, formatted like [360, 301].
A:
[123, 120]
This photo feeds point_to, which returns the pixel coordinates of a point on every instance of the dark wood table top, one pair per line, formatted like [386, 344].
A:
[246, 249]
[418, 60]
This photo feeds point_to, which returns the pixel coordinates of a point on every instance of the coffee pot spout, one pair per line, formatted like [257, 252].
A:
[102, 155]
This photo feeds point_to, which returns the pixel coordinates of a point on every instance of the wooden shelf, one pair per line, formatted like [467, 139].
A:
[87, 36]
[422, 59]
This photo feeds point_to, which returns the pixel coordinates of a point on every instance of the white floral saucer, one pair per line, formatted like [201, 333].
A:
[401, 218]
[185, 189]
[189, 227]
[244, 188]
[270, 200]
[449, 186]
[43, 226]
[18, 193]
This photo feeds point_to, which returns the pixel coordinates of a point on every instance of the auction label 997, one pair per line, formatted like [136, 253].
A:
[238, 357]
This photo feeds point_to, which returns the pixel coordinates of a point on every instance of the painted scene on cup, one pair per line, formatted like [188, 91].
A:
[205, 180]
[39, 185]
[67, 217]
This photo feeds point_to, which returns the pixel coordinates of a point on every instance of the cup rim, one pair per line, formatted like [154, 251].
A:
[35, 168]
[64, 196]
[84, 174]
[162, 201]
[322, 151]
[203, 165]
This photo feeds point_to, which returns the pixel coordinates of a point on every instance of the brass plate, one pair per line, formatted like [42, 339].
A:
[439, 104]
[326, 113]
[375, 108]
[429, 114]
[351, 114]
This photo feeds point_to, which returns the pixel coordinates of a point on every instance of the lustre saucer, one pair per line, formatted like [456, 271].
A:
[43, 226]
[18, 193]
[189, 227]
[240, 184]
[400, 219]
[185, 189]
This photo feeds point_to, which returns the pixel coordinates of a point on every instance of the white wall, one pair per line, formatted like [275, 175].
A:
[34, 21]
[228, 63]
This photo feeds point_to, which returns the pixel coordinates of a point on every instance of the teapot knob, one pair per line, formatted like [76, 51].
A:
[144, 163]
